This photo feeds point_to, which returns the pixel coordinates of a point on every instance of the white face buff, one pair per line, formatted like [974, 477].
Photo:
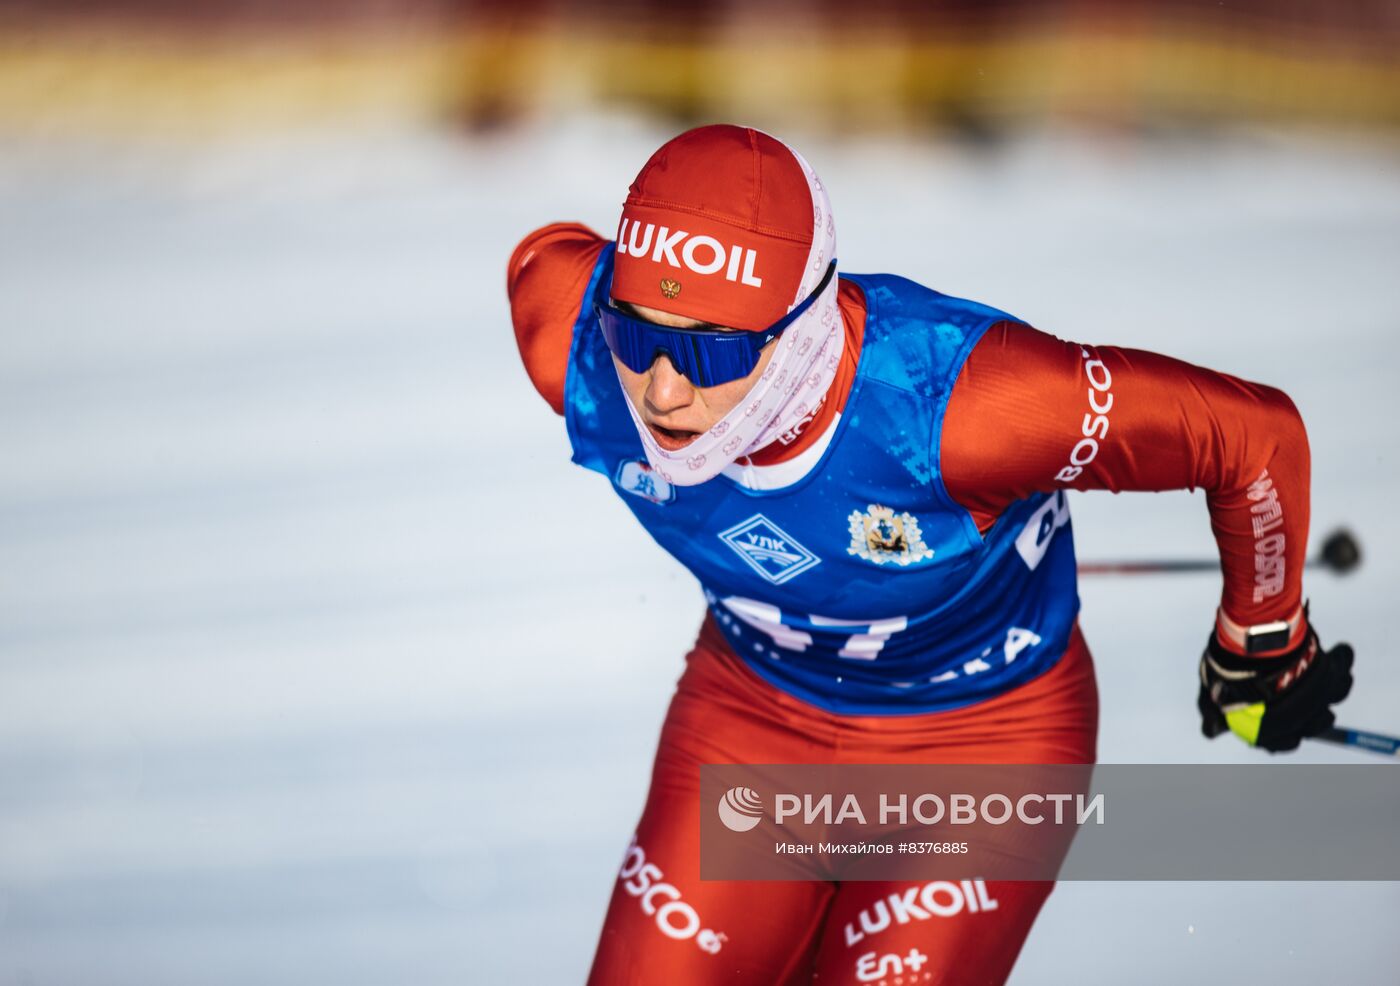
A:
[795, 381]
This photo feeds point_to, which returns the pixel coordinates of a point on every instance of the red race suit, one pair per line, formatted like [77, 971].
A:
[1016, 424]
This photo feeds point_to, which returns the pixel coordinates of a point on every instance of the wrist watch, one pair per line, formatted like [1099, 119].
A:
[1267, 636]
[1259, 638]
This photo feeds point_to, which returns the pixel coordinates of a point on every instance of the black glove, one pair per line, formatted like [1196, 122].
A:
[1272, 702]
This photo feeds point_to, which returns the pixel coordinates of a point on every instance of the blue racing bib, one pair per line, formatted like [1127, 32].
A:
[861, 587]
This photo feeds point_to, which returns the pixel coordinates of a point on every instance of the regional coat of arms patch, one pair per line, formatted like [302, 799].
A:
[880, 535]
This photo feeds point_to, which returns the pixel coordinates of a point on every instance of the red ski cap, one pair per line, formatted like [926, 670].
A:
[718, 226]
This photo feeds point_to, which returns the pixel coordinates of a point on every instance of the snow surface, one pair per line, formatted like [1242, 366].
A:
[320, 663]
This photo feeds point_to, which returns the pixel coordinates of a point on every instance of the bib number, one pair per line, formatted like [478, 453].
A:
[1034, 540]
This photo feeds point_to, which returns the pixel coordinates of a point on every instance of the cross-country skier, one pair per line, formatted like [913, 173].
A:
[868, 479]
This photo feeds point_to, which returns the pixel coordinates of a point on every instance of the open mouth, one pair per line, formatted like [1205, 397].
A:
[671, 439]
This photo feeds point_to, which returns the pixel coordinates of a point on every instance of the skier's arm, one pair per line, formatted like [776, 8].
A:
[545, 280]
[1030, 412]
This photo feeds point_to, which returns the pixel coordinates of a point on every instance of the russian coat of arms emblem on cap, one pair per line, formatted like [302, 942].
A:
[880, 535]
[670, 287]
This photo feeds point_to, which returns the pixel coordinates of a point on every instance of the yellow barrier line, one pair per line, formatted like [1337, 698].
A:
[187, 85]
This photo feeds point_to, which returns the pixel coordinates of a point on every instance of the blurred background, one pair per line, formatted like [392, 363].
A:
[320, 663]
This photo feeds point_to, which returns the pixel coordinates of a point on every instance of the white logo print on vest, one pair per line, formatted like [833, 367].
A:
[702, 254]
[770, 551]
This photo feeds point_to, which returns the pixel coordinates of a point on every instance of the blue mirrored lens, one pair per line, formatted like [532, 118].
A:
[705, 357]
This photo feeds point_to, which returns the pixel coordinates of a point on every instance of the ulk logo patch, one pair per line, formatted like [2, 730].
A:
[769, 550]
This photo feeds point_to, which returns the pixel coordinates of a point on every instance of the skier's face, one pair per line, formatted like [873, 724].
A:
[674, 410]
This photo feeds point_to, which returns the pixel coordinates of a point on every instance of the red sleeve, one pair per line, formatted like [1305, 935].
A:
[1032, 413]
[545, 281]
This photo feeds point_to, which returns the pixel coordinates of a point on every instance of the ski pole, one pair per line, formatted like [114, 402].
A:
[1374, 742]
[1340, 554]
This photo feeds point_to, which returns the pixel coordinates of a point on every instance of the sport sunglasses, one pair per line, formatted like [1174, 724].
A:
[705, 357]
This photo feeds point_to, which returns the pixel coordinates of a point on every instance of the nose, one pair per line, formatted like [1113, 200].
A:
[667, 389]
